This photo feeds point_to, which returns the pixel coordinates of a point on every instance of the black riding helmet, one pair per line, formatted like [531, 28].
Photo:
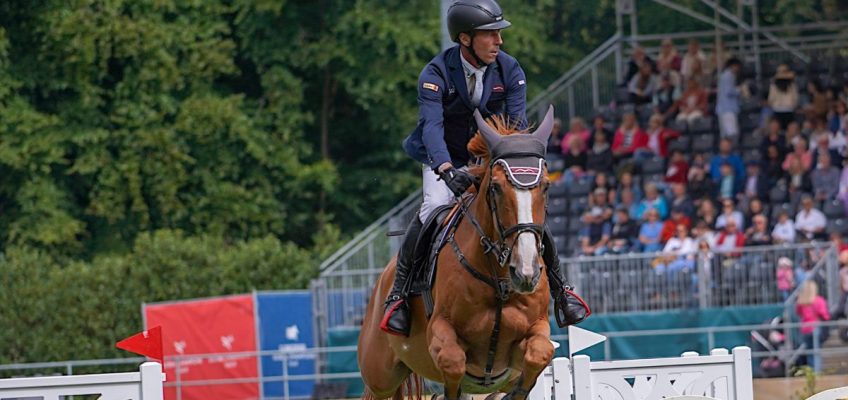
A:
[471, 15]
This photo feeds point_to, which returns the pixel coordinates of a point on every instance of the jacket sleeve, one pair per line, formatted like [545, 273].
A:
[516, 96]
[431, 87]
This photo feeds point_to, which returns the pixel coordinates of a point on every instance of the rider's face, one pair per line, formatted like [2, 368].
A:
[487, 44]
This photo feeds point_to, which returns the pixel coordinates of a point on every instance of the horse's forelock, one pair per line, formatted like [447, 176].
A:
[479, 149]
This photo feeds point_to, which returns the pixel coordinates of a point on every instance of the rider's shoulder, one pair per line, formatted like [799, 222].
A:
[507, 61]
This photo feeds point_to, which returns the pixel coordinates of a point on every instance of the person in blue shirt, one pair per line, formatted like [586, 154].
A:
[473, 75]
[727, 100]
[726, 155]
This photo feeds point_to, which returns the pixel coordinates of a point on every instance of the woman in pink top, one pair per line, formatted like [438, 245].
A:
[811, 308]
[576, 127]
[801, 154]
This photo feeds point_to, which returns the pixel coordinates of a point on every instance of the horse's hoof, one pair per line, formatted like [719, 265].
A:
[495, 396]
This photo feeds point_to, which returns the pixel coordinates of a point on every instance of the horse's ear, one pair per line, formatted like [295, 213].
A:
[491, 137]
[543, 132]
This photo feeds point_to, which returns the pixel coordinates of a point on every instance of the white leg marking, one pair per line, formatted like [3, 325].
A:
[526, 248]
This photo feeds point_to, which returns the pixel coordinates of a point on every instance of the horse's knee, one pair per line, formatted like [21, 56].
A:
[451, 361]
[539, 354]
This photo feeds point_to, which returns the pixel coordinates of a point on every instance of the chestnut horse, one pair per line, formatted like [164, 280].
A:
[489, 331]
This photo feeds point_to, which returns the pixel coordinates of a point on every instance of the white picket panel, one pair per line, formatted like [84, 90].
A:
[143, 385]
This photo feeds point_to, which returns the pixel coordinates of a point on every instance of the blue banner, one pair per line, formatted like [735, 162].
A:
[284, 322]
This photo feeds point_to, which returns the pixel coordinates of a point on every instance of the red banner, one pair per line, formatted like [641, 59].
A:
[221, 325]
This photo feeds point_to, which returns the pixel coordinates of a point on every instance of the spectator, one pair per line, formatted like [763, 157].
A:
[576, 128]
[678, 217]
[727, 104]
[793, 134]
[628, 201]
[658, 137]
[654, 201]
[730, 238]
[785, 277]
[700, 187]
[839, 119]
[799, 153]
[625, 181]
[774, 137]
[818, 107]
[729, 212]
[783, 95]
[679, 252]
[649, 232]
[669, 59]
[703, 233]
[598, 126]
[843, 186]
[595, 234]
[726, 155]
[574, 161]
[756, 185]
[810, 222]
[798, 181]
[602, 181]
[637, 60]
[599, 159]
[678, 168]
[842, 306]
[773, 164]
[707, 212]
[624, 232]
[823, 147]
[824, 179]
[758, 234]
[642, 85]
[784, 229]
[755, 207]
[692, 66]
[692, 103]
[599, 200]
[555, 141]
[812, 308]
[680, 200]
[729, 185]
[666, 94]
[628, 138]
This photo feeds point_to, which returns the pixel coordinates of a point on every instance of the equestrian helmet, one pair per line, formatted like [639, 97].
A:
[470, 15]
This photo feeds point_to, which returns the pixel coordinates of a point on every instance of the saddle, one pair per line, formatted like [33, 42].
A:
[434, 235]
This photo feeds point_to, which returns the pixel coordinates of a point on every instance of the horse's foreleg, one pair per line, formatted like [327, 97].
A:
[448, 355]
[538, 352]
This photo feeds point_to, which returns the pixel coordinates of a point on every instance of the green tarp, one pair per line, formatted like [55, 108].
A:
[620, 348]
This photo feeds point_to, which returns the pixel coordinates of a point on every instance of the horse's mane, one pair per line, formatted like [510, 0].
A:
[479, 149]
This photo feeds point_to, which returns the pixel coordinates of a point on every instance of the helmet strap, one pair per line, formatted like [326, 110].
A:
[480, 62]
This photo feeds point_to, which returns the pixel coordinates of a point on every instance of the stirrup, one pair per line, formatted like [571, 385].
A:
[396, 320]
[570, 308]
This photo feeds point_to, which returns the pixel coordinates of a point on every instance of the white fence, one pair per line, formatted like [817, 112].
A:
[146, 384]
[720, 375]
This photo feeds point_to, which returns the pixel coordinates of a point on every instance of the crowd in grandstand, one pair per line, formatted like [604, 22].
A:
[658, 182]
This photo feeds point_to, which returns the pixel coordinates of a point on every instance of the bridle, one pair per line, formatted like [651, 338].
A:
[522, 158]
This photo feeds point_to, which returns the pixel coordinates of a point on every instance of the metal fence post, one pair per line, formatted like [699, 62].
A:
[286, 376]
[702, 281]
[179, 382]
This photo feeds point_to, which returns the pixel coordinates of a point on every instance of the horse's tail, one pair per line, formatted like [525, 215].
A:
[412, 388]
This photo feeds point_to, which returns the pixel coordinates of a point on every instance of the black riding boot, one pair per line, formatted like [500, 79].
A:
[569, 308]
[397, 319]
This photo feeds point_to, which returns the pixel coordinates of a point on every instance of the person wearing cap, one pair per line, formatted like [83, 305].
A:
[600, 200]
[785, 277]
[595, 234]
[783, 95]
[473, 75]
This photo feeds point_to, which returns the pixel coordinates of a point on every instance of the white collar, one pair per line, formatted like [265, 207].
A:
[470, 69]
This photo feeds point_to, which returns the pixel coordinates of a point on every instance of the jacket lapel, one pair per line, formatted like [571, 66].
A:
[457, 75]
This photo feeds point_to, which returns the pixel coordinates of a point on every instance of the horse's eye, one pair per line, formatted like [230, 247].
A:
[545, 187]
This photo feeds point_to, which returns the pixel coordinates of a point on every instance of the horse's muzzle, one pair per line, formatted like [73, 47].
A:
[522, 283]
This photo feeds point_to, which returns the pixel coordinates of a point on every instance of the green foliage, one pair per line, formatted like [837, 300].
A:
[76, 310]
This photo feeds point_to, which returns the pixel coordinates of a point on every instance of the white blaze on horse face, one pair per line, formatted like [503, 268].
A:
[526, 247]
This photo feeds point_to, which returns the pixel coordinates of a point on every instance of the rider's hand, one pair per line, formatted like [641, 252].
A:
[458, 181]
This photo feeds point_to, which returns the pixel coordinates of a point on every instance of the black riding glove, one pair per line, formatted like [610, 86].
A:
[458, 181]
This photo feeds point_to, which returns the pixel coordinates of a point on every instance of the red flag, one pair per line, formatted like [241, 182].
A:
[147, 343]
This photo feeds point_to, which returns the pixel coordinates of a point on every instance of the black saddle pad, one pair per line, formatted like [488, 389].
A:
[430, 242]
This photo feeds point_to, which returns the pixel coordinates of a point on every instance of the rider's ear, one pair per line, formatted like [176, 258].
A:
[465, 39]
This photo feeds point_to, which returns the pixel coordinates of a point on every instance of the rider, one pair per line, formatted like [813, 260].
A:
[475, 74]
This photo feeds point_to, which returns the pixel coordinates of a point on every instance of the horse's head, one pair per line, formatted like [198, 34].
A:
[515, 188]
